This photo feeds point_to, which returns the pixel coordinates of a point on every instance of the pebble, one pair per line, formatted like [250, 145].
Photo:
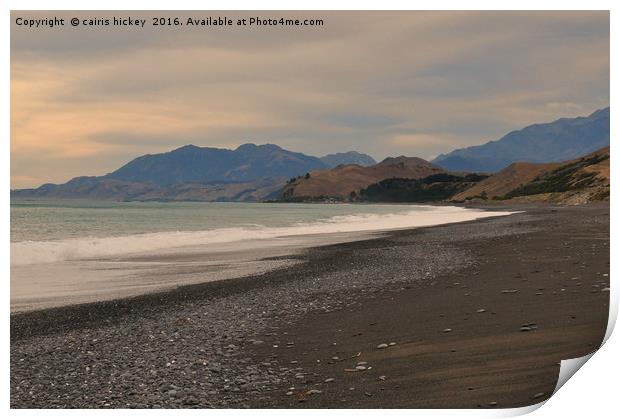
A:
[446, 330]
[382, 377]
[329, 380]
[360, 367]
[382, 346]
[392, 344]
[509, 291]
[528, 326]
[480, 310]
[538, 395]
[314, 391]
[208, 338]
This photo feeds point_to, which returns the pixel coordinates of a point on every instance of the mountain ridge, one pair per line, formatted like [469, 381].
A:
[193, 164]
[349, 157]
[562, 139]
[249, 172]
[345, 180]
[254, 172]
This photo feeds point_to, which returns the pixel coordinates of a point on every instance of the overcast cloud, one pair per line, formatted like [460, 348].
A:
[84, 102]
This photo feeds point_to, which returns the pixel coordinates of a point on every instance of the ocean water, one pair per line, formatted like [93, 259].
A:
[66, 251]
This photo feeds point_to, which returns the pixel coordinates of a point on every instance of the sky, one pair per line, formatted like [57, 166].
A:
[86, 100]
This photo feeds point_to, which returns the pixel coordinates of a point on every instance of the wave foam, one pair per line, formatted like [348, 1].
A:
[36, 252]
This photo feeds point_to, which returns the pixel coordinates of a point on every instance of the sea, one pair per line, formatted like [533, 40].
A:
[77, 251]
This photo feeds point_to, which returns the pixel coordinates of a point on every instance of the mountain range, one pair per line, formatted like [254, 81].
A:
[249, 173]
[563, 139]
[266, 172]
[192, 164]
[411, 180]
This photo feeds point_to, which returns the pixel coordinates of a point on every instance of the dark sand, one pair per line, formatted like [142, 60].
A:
[246, 342]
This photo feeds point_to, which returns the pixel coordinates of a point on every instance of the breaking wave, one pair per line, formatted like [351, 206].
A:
[36, 252]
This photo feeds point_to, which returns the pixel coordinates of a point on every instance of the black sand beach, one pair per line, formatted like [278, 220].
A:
[476, 314]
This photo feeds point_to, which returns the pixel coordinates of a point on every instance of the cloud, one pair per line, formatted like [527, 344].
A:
[384, 83]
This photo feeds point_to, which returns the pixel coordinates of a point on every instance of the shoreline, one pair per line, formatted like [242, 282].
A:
[76, 313]
[208, 345]
[113, 276]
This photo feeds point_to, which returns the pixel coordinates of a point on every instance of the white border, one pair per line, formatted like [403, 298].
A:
[593, 392]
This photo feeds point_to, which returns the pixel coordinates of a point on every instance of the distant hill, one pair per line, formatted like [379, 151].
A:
[575, 181]
[249, 173]
[192, 164]
[190, 173]
[341, 181]
[350, 157]
[437, 187]
[414, 180]
[561, 140]
[102, 188]
[535, 161]
[501, 183]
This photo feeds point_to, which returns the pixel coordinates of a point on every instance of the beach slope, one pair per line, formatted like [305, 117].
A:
[475, 314]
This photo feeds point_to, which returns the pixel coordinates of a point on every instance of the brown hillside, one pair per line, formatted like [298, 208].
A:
[602, 168]
[575, 182]
[342, 180]
[519, 174]
[570, 181]
[512, 177]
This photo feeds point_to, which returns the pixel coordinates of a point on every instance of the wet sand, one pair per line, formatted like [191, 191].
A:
[480, 314]
[113, 270]
[43, 286]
